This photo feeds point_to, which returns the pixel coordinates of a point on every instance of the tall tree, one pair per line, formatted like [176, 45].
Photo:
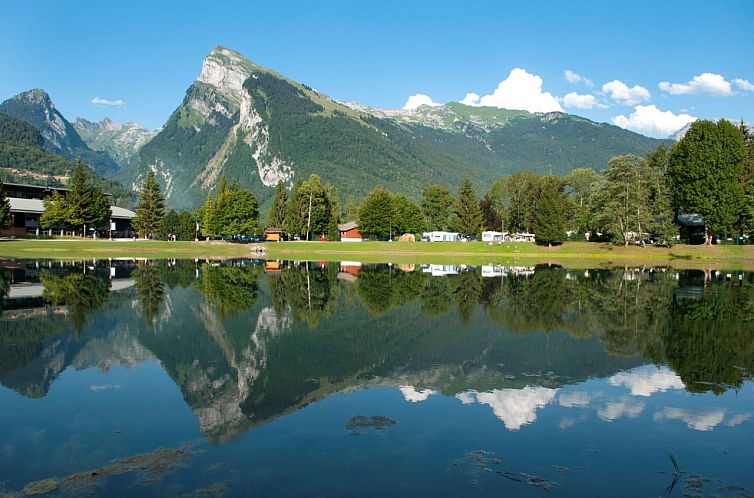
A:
[294, 219]
[436, 203]
[515, 198]
[491, 218]
[662, 220]
[376, 213]
[549, 224]
[581, 185]
[623, 198]
[55, 213]
[746, 212]
[5, 217]
[151, 208]
[86, 203]
[705, 174]
[276, 217]
[466, 217]
[407, 217]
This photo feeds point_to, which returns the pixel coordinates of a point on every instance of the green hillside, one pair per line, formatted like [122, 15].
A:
[23, 160]
[274, 129]
[60, 137]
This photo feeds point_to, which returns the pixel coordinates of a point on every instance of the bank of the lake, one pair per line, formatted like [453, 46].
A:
[570, 254]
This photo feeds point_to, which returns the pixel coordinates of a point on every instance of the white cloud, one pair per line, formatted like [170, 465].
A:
[623, 407]
[520, 90]
[573, 77]
[580, 101]
[574, 399]
[623, 94]
[713, 84]
[650, 120]
[412, 395]
[417, 100]
[515, 407]
[738, 419]
[744, 85]
[108, 103]
[471, 98]
[705, 420]
[646, 380]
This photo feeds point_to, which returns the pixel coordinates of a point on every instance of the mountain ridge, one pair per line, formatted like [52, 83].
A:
[60, 137]
[254, 126]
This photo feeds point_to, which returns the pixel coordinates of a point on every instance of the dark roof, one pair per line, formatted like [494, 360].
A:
[348, 226]
[273, 230]
[39, 187]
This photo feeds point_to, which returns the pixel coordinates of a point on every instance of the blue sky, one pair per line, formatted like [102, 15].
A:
[643, 64]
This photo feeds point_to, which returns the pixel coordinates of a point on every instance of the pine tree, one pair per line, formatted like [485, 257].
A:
[549, 225]
[466, 217]
[151, 209]
[5, 217]
[87, 206]
[436, 203]
[276, 218]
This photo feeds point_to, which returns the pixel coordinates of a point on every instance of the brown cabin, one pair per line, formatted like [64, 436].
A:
[273, 234]
[349, 232]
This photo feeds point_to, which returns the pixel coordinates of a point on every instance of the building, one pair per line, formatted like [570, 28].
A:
[273, 234]
[491, 236]
[349, 232]
[27, 205]
[439, 236]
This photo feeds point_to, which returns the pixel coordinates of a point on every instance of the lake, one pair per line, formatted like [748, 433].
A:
[252, 378]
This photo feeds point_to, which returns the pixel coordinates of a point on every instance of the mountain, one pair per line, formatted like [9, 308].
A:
[120, 141]
[255, 126]
[23, 159]
[60, 137]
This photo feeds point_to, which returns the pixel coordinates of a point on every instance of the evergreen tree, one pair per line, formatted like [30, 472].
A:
[332, 226]
[209, 218]
[5, 217]
[276, 217]
[745, 223]
[151, 209]
[549, 225]
[436, 203]
[662, 223]
[491, 219]
[86, 203]
[466, 217]
[376, 212]
[705, 170]
[238, 212]
[293, 216]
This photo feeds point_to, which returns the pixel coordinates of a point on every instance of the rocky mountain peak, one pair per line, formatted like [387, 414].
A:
[226, 70]
[35, 96]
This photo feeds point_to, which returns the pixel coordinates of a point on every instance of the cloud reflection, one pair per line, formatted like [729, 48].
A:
[515, 407]
[647, 379]
[703, 420]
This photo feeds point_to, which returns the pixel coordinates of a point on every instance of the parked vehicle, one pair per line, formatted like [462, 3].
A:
[256, 238]
[244, 239]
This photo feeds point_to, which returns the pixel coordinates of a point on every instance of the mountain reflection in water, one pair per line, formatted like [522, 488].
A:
[249, 341]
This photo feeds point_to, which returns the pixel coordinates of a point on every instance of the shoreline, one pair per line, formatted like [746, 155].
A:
[570, 254]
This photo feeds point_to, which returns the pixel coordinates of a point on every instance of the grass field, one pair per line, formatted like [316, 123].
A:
[571, 254]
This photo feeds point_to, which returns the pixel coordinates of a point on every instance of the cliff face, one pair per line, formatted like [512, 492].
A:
[119, 141]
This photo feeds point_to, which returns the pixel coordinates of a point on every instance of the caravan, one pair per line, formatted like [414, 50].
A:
[439, 236]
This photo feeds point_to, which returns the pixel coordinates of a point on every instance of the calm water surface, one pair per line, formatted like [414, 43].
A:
[186, 378]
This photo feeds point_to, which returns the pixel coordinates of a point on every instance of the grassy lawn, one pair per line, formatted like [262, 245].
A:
[571, 254]
[151, 249]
